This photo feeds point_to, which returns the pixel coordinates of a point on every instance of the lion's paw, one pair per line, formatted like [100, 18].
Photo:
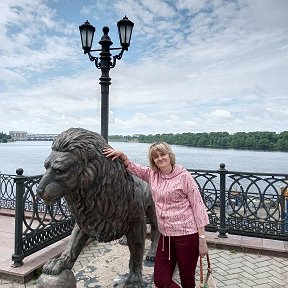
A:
[134, 280]
[55, 266]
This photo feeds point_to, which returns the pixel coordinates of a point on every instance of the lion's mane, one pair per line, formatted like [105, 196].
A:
[105, 201]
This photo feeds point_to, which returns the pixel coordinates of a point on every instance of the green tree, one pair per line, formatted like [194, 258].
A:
[240, 140]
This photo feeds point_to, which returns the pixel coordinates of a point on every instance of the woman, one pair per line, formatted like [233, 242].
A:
[181, 214]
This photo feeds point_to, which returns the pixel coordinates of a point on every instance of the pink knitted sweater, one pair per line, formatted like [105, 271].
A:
[179, 206]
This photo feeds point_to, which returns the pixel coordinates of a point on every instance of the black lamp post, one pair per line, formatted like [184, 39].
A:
[105, 62]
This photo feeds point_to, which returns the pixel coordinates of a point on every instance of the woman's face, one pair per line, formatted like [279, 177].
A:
[161, 159]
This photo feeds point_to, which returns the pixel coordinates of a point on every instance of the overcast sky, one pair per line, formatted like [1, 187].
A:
[192, 66]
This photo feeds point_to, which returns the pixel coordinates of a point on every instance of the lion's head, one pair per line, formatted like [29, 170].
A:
[71, 163]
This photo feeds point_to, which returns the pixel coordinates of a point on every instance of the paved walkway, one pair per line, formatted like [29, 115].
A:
[100, 265]
[236, 261]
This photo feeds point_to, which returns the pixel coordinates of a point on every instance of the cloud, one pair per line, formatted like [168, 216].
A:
[192, 66]
[219, 115]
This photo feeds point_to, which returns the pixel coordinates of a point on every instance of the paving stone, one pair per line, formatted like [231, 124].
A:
[265, 286]
[235, 276]
[279, 275]
[247, 275]
[235, 271]
[31, 284]
[232, 282]
[247, 282]
[278, 282]
[244, 285]
[230, 270]
[262, 281]
[263, 269]
[261, 263]
[261, 275]
[17, 285]
[235, 265]
[5, 281]
[279, 263]
[247, 268]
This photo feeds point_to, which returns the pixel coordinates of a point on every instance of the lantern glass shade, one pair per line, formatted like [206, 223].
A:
[125, 27]
[87, 34]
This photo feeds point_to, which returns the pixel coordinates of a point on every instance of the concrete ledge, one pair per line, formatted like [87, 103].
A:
[249, 244]
[26, 272]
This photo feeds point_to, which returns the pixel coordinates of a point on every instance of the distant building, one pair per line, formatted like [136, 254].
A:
[18, 135]
[25, 136]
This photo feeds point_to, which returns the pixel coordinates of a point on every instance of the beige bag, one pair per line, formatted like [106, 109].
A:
[209, 281]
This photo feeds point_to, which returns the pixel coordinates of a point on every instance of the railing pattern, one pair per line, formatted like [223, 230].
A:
[256, 204]
[7, 192]
[243, 203]
[36, 224]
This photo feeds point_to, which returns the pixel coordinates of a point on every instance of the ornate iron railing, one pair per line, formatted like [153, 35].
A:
[241, 203]
[7, 192]
[245, 203]
[36, 224]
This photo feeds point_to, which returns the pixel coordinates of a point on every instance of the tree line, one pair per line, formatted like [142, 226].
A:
[265, 141]
[4, 138]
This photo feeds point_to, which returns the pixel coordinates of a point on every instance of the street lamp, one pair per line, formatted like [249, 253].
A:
[105, 62]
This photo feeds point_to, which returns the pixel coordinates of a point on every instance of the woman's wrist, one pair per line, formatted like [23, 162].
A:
[124, 157]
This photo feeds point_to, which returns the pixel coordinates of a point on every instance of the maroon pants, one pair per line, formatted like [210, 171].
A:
[182, 250]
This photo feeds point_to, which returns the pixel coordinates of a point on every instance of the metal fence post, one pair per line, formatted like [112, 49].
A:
[222, 229]
[0, 190]
[284, 208]
[18, 255]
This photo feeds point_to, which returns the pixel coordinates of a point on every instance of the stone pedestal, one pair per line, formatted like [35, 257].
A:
[65, 279]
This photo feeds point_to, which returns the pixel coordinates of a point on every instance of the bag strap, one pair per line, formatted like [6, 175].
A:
[201, 272]
[201, 269]
[208, 263]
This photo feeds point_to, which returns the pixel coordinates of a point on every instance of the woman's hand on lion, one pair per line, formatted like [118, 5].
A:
[110, 152]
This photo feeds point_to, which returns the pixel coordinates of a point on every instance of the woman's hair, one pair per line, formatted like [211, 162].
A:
[163, 148]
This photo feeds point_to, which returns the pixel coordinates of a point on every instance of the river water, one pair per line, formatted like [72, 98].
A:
[31, 156]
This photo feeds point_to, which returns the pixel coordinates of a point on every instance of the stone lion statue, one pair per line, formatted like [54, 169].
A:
[106, 201]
